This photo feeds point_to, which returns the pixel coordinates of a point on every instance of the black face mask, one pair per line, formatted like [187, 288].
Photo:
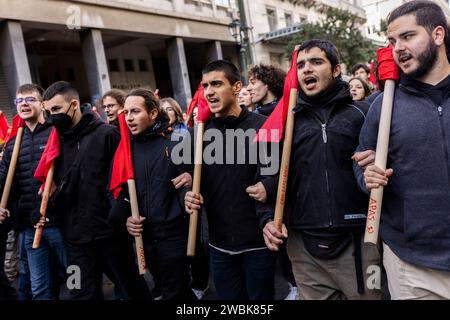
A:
[61, 121]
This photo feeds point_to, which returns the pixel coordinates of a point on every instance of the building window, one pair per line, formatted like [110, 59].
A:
[113, 65]
[223, 3]
[128, 65]
[272, 18]
[288, 19]
[303, 19]
[142, 65]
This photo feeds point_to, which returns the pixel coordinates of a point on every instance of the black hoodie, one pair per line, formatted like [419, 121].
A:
[81, 176]
[322, 190]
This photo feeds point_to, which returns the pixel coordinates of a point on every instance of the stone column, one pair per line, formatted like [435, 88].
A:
[179, 71]
[13, 57]
[95, 63]
[214, 51]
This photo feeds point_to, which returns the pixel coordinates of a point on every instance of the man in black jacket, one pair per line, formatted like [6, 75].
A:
[326, 209]
[241, 265]
[81, 199]
[164, 223]
[35, 262]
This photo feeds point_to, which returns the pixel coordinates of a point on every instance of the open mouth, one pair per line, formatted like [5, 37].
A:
[310, 82]
[25, 110]
[404, 58]
[132, 127]
[213, 102]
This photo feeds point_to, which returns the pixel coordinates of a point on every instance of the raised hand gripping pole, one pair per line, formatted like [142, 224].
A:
[193, 219]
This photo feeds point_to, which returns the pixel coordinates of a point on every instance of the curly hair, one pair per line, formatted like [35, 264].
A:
[271, 76]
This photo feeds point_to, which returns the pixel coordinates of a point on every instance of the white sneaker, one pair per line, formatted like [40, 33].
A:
[293, 293]
[199, 293]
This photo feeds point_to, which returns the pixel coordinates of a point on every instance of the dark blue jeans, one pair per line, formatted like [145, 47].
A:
[245, 276]
[39, 261]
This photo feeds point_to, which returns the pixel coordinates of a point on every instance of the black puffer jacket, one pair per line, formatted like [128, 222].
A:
[26, 187]
[81, 176]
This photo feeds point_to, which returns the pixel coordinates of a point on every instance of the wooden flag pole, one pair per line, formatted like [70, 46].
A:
[376, 195]
[193, 219]
[44, 203]
[135, 213]
[11, 169]
[285, 159]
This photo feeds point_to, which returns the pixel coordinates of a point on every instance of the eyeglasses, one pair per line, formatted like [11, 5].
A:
[18, 101]
[109, 106]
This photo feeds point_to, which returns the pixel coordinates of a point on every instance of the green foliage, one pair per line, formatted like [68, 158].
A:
[341, 28]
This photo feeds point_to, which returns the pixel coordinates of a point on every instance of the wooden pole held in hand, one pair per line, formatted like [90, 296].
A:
[138, 240]
[376, 195]
[44, 203]
[193, 219]
[285, 159]
[11, 169]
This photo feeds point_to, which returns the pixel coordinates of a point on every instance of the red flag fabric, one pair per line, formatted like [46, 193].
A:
[372, 76]
[387, 69]
[51, 152]
[94, 110]
[4, 126]
[122, 169]
[199, 101]
[277, 120]
[17, 123]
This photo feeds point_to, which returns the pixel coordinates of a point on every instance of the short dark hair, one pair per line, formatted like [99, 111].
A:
[29, 88]
[271, 76]
[326, 46]
[151, 102]
[116, 94]
[62, 88]
[358, 66]
[428, 15]
[230, 70]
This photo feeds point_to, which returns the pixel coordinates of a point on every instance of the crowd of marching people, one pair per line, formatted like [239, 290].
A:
[94, 196]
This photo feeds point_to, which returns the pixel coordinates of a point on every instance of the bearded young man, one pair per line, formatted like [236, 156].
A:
[415, 220]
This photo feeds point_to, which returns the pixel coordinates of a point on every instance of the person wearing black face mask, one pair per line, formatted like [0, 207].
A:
[61, 121]
[80, 198]
[327, 210]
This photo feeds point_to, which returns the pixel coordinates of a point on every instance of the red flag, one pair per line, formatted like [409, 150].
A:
[199, 101]
[94, 110]
[372, 77]
[276, 121]
[17, 123]
[387, 68]
[51, 152]
[4, 126]
[122, 169]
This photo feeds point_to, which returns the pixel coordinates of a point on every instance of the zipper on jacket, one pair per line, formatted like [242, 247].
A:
[325, 141]
[324, 132]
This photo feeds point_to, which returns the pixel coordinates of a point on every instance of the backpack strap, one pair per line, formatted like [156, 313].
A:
[358, 262]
